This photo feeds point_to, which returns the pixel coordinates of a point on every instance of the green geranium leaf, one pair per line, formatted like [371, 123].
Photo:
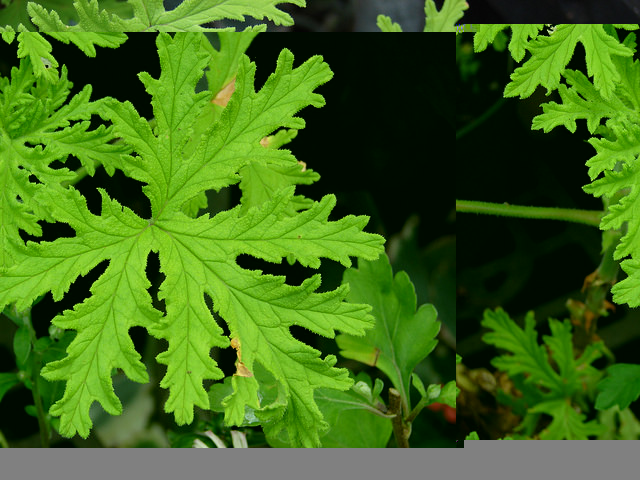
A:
[551, 53]
[198, 255]
[355, 422]
[567, 424]
[150, 15]
[527, 356]
[36, 131]
[402, 336]
[621, 387]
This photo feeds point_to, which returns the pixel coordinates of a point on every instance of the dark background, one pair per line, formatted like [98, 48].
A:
[552, 11]
[382, 144]
[343, 15]
[523, 264]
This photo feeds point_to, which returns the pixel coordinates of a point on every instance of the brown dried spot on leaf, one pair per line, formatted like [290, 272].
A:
[241, 369]
[223, 96]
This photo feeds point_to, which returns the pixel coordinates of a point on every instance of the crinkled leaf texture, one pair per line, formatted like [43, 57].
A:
[35, 131]
[528, 358]
[197, 255]
[582, 100]
[551, 53]
[614, 170]
[150, 15]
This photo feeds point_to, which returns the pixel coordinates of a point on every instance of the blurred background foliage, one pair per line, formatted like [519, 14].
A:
[552, 11]
[521, 264]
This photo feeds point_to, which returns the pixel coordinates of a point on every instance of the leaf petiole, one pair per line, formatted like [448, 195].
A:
[587, 217]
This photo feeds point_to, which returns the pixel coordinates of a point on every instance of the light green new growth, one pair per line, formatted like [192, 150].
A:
[387, 25]
[444, 20]
[149, 15]
[617, 158]
[33, 115]
[177, 161]
[38, 49]
[555, 389]
[551, 53]
[611, 107]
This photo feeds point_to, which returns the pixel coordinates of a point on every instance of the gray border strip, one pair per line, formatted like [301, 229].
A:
[201, 464]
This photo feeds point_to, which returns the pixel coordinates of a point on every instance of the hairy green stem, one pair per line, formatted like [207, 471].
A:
[586, 217]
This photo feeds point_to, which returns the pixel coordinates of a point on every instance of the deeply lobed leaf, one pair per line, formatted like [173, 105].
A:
[35, 131]
[556, 388]
[150, 15]
[551, 53]
[612, 97]
[178, 161]
[527, 356]
[621, 387]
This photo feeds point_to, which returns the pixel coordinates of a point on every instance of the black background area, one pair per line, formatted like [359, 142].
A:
[552, 11]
